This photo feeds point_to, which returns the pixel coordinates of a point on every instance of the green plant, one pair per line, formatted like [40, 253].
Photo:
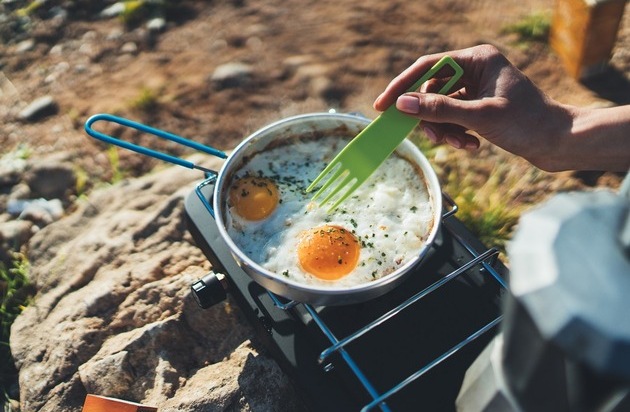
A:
[132, 12]
[31, 8]
[490, 218]
[15, 294]
[488, 209]
[75, 118]
[81, 184]
[136, 11]
[114, 162]
[146, 101]
[531, 28]
[22, 152]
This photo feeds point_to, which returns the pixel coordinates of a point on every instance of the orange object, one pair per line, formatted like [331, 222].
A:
[254, 198]
[328, 252]
[96, 403]
[584, 32]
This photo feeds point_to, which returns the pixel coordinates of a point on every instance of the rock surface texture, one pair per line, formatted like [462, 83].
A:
[113, 315]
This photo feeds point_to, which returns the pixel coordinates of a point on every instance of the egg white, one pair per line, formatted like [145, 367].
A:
[390, 214]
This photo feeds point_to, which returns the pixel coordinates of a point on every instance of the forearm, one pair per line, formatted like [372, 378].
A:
[599, 139]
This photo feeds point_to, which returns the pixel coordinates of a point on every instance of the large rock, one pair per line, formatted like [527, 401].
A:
[113, 315]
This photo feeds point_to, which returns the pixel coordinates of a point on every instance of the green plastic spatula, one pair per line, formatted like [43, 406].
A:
[365, 153]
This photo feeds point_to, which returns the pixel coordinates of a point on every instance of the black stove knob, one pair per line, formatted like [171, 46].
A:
[209, 290]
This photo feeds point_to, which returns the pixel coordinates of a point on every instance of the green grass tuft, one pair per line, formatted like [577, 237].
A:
[492, 223]
[147, 100]
[531, 28]
[138, 11]
[15, 294]
[487, 209]
[114, 162]
[134, 11]
[30, 9]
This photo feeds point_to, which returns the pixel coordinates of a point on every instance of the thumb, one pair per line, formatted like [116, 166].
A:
[438, 108]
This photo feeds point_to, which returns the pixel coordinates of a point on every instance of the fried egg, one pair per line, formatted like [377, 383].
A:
[379, 228]
[254, 198]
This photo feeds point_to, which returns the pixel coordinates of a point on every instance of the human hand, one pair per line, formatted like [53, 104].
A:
[494, 100]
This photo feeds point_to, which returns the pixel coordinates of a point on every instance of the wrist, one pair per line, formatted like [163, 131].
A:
[598, 139]
[555, 129]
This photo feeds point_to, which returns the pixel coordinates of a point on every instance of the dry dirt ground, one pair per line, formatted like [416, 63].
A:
[306, 56]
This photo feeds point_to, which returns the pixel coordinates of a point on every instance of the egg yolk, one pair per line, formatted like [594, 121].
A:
[328, 252]
[254, 198]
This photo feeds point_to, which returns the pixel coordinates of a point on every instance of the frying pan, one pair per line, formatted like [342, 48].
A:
[313, 124]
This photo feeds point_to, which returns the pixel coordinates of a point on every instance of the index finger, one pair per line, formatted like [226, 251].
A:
[409, 76]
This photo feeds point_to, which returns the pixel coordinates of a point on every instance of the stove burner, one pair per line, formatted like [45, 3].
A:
[405, 350]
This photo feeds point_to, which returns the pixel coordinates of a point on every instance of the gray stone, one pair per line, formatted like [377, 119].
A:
[113, 10]
[129, 47]
[25, 45]
[51, 179]
[157, 24]
[293, 62]
[59, 13]
[231, 75]
[11, 169]
[16, 232]
[13, 235]
[41, 212]
[19, 192]
[39, 108]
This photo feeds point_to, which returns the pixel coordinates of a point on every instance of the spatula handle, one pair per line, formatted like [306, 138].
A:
[400, 124]
[444, 61]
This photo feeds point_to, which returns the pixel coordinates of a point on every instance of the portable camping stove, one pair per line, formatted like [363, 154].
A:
[406, 350]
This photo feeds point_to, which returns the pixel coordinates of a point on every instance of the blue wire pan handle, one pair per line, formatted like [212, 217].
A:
[145, 150]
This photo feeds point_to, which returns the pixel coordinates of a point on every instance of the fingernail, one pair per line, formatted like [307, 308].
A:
[377, 100]
[408, 104]
[453, 142]
[430, 134]
[472, 145]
